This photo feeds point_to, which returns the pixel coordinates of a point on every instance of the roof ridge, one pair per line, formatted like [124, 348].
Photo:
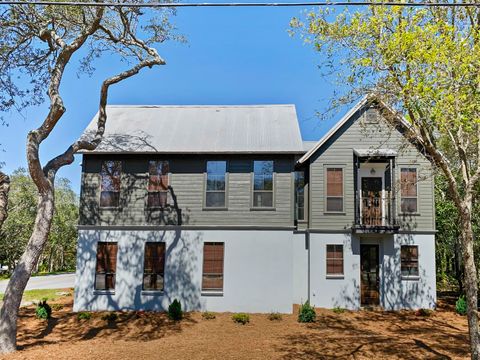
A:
[199, 106]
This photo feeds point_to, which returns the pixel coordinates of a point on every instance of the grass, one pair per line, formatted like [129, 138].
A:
[37, 295]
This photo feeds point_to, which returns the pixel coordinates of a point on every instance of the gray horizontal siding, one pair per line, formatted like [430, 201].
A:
[366, 130]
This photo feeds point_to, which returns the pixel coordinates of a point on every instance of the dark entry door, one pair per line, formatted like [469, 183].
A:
[370, 279]
[372, 201]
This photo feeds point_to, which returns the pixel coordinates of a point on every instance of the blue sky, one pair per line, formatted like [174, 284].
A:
[233, 56]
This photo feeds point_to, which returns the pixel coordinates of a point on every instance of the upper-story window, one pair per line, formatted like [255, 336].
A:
[110, 186]
[334, 190]
[216, 184]
[408, 187]
[263, 183]
[158, 183]
[299, 195]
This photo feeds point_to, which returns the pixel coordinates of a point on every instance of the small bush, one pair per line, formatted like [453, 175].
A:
[461, 306]
[56, 307]
[111, 316]
[306, 314]
[207, 315]
[43, 310]
[241, 318]
[84, 316]
[338, 310]
[175, 310]
[423, 312]
[274, 316]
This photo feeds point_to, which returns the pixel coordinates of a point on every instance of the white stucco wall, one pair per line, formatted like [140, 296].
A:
[300, 268]
[258, 271]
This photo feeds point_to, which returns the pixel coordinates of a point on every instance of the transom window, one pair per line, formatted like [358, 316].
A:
[409, 260]
[408, 187]
[334, 198]
[212, 279]
[263, 183]
[106, 266]
[216, 184]
[335, 259]
[154, 265]
[110, 183]
[158, 183]
[299, 195]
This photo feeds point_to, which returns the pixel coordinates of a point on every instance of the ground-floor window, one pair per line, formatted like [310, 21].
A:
[335, 259]
[154, 265]
[409, 260]
[212, 279]
[106, 266]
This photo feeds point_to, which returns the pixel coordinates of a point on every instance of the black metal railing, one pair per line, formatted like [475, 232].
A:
[374, 211]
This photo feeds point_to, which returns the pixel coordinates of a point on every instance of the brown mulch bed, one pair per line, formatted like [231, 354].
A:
[349, 335]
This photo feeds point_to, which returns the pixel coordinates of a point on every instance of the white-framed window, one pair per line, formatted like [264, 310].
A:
[263, 184]
[158, 183]
[299, 195]
[334, 189]
[110, 183]
[409, 190]
[334, 260]
[216, 184]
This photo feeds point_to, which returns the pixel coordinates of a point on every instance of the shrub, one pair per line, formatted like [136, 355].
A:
[175, 310]
[43, 310]
[274, 316]
[306, 314]
[461, 306]
[57, 307]
[241, 318]
[207, 315]
[423, 312]
[338, 310]
[84, 316]
[111, 316]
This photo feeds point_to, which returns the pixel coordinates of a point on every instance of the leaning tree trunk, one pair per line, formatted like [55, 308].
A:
[23, 270]
[470, 280]
[4, 189]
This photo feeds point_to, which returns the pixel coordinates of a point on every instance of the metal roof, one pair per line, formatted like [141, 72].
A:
[199, 129]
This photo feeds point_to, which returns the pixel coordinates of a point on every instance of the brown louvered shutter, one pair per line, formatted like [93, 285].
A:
[213, 254]
[334, 259]
[154, 266]
[106, 266]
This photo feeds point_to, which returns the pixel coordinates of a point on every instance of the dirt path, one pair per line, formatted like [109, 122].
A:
[350, 335]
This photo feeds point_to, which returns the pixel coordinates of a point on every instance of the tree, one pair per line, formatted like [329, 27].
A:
[424, 63]
[38, 44]
[4, 189]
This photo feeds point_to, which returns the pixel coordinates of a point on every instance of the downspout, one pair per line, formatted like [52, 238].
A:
[307, 242]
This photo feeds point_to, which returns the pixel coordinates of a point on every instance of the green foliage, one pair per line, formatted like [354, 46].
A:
[207, 315]
[43, 310]
[461, 306]
[57, 307]
[241, 318]
[60, 250]
[274, 316]
[175, 310]
[338, 310]
[110, 317]
[306, 313]
[84, 315]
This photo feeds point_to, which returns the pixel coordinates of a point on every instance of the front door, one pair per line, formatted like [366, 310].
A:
[372, 201]
[370, 279]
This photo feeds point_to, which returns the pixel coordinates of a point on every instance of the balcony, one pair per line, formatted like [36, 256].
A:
[375, 214]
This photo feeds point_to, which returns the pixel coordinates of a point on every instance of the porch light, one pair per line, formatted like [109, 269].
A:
[372, 172]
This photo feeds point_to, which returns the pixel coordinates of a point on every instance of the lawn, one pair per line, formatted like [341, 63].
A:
[37, 295]
[334, 335]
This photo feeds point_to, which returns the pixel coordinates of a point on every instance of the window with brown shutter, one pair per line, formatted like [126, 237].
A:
[334, 259]
[334, 198]
[154, 265]
[408, 187]
[212, 279]
[158, 184]
[110, 183]
[409, 260]
[106, 266]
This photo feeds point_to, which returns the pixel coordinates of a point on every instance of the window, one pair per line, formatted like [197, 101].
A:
[106, 266]
[334, 259]
[154, 265]
[408, 187]
[110, 186]
[215, 189]
[158, 183]
[299, 195]
[334, 201]
[263, 183]
[212, 279]
[409, 260]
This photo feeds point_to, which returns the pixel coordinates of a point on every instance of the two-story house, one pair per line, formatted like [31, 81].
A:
[226, 209]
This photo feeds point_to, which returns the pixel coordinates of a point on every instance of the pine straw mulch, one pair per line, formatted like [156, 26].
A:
[146, 335]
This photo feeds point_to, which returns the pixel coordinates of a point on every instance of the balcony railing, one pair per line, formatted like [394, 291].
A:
[374, 212]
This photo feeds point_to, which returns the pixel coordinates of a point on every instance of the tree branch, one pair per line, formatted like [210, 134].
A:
[4, 189]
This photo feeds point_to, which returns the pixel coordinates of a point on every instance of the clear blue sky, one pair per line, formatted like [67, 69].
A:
[233, 56]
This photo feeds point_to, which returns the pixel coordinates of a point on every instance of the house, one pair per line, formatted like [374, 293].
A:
[226, 209]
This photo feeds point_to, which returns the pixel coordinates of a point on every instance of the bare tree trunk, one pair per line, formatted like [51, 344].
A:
[23, 270]
[4, 189]
[470, 279]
